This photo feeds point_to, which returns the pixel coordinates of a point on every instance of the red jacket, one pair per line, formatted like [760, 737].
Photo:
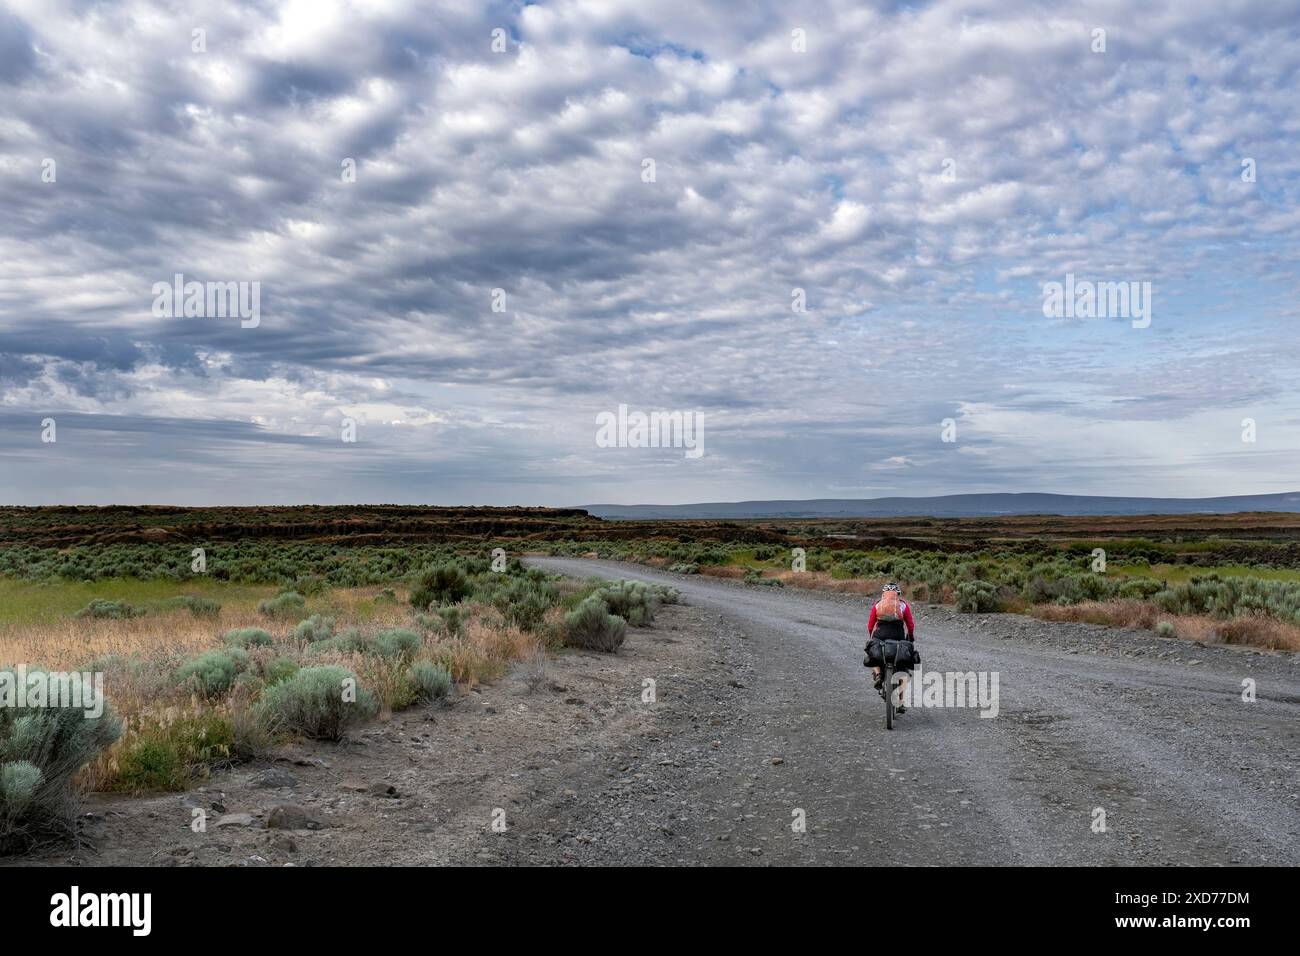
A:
[907, 619]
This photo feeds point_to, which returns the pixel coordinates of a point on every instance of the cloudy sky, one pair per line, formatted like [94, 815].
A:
[646, 184]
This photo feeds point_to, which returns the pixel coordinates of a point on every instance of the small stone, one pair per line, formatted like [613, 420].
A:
[381, 789]
[273, 779]
[234, 820]
[291, 816]
[777, 761]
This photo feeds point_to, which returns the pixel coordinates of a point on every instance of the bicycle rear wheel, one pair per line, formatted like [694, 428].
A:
[889, 698]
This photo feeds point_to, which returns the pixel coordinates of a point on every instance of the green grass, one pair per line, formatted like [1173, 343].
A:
[32, 602]
[1182, 573]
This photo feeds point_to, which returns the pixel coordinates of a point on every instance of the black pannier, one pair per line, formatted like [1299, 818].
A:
[899, 653]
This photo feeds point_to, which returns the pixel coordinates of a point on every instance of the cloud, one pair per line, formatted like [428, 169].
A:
[919, 172]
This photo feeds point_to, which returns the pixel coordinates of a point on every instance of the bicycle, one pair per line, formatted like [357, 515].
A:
[889, 670]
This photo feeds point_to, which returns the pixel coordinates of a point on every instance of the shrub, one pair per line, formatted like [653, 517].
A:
[278, 670]
[288, 605]
[110, 610]
[441, 584]
[432, 682]
[312, 703]
[396, 643]
[523, 600]
[315, 628]
[976, 597]
[351, 641]
[590, 625]
[213, 673]
[1166, 629]
[531, 671]
[453, 621]
[634, 601]
[197, 606]
[312, 584]
[247, 637]
[41, 750]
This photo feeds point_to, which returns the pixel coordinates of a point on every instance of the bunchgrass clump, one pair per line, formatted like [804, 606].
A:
[168, 755]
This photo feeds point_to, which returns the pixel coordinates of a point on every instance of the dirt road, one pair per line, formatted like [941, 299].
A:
[1154, 732]
[764, 744]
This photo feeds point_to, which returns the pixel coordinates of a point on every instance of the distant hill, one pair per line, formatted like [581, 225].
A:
[955, 506]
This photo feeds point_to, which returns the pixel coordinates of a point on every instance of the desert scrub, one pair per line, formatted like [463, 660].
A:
[396, 643]
[318, 702]
[287, 606]
[246, 637]
[350, 641]
[41, 750]
[591, 626]
[442, 584]
[1166, 629]
[977, 597]
[522, 596]
[431, 681]
[446, 621]
[213, 673]
[635, 601]
[277, 670]
[315, 628]
[104, 609]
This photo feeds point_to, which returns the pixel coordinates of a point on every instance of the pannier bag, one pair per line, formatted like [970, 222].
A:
[899, 653]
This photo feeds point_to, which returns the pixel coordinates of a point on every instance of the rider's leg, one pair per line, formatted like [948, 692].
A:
[876, 672]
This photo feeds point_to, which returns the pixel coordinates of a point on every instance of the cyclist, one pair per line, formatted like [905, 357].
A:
[890, 620]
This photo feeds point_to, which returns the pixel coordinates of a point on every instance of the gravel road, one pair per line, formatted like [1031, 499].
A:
[1152, 731]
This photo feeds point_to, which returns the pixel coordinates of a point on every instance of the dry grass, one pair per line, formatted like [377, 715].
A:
[1249, 631]
[822, 581]
[730, 571]
[139, 658]
[484, 650]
